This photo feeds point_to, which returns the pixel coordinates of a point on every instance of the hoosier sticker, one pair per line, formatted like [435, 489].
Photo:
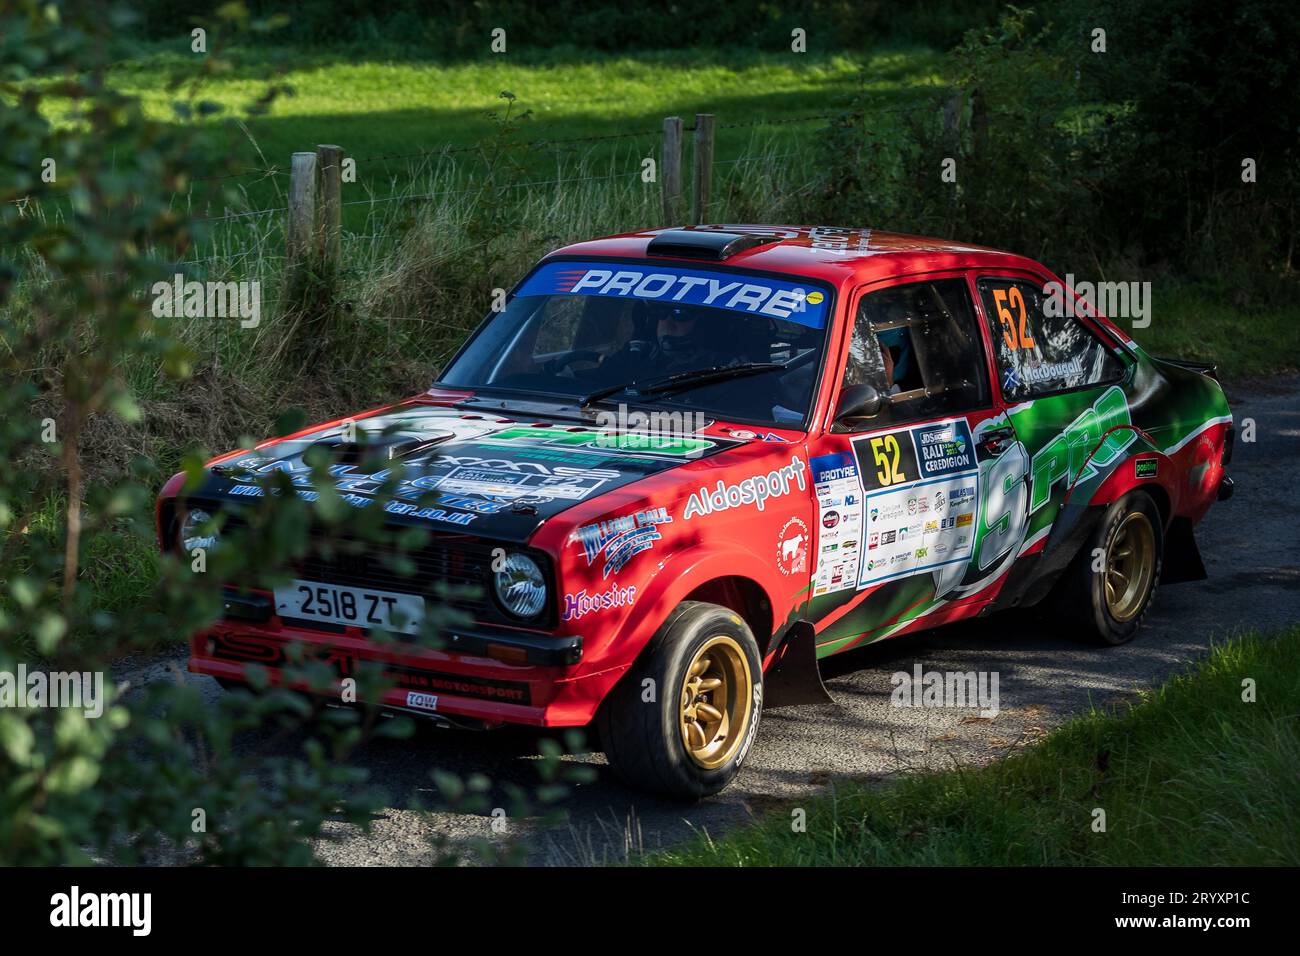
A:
[582, 603]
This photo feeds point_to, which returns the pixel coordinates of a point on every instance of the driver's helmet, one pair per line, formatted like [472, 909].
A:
[677, 330]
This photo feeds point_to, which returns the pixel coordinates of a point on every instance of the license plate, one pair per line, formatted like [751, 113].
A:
[363, 607]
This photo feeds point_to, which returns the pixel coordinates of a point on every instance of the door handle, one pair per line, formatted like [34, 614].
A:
[992, 440]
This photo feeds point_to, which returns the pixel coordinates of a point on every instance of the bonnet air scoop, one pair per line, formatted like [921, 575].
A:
[382, 447]
[713, 246]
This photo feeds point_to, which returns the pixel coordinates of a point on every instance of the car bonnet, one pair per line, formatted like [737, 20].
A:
[493, 477]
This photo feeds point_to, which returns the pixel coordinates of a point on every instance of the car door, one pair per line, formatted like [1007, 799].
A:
[1065, 388]
[898, 493]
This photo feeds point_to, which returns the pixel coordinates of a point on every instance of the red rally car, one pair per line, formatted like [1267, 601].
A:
[683, 465]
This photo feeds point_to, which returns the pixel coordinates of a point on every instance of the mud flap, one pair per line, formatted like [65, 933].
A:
[1182, 558]
[792, 679]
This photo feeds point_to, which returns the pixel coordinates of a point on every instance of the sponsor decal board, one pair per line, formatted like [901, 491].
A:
[921, 499]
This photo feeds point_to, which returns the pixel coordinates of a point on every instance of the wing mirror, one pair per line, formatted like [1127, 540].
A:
[858, 401]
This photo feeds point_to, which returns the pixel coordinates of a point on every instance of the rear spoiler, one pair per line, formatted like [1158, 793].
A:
[1205, 368]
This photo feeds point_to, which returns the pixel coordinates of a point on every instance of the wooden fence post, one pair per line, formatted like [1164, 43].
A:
[979, 121]
[703, 166]
[300, 236]
[952, 109]
[329, 162]
[671, 170]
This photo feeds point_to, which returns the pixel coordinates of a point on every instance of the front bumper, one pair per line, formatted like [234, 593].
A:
[494, 676]
[509, 646]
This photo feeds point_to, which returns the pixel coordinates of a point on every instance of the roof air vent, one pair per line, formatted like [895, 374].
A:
[716, 246]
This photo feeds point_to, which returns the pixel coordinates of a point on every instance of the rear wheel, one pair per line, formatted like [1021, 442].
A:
[1109, 588]
[681, 721]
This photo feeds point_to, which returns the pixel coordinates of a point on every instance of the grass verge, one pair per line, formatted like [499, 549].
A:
[1200, 321]
[1192, 774]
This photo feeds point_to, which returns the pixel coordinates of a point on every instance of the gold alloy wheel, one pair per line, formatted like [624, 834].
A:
[1130, 566]
[716, 702]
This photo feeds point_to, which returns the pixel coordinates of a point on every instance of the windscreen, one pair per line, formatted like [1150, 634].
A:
[575, 328]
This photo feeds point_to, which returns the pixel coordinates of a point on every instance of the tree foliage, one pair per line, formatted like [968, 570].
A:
[159, 774]
[1092, 133]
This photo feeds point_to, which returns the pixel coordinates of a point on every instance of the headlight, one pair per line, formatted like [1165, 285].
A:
[520, 586]
[197, 530]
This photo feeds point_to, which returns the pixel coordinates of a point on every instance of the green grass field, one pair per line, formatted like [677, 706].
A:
[1190, 775]
[1200, 321]
[599, 111]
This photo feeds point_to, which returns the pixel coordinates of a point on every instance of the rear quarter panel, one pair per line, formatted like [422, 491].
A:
[1184, 419]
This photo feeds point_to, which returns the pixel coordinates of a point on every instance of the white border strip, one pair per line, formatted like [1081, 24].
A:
[1210, 423]
[1030, 542]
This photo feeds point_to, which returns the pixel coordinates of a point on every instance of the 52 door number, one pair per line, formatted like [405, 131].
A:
[1016, 334]
[886, 452]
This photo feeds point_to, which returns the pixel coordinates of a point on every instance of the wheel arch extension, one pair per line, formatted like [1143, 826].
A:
[1033, 577]
[792, 677]
[747, 598]
[733, 578]
[1123, 479]
[1158, 494]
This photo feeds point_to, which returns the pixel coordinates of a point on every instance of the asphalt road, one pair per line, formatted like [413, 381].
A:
[1251, 548]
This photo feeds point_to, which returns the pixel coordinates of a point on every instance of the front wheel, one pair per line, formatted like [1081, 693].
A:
[1109, 589]
[682, 719]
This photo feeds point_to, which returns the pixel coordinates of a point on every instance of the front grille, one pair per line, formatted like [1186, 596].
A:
[457, 562]
[441, 569]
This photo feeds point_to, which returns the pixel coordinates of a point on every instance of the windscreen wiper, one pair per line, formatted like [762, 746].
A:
[703, 376]
[683, 380]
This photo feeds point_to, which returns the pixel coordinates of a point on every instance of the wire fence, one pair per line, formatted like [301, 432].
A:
[447, 150]
[239, 257]
[257, 173]
[453, 150]
[256, 262]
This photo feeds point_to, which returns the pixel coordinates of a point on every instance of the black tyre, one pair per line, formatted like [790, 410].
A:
[1109, 587]
[681, 721]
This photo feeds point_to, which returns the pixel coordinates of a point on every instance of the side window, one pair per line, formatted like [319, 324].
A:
[919, 345]
[1037, 352]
